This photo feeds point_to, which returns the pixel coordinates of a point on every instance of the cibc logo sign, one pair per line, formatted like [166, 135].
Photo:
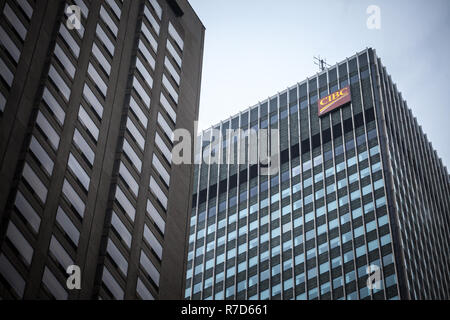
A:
[334, 100]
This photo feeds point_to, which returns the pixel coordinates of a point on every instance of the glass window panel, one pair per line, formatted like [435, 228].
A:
[149, 36]
[121, 229]
[136, 161]
[73, 198]
[64, 60]
[149, 267]
[6, 74]
[378, 184]
[67, 225]
[114, 7]
[152, 20]
[41, 155]
[138, 112]
[100, 84]
[83, 146]
[174, 53]
[73, 45]
[129, 179]
[25, 7]
[165, 126]
[27, 211]
[15, 21]
[174, 34]
[11, 275]
[165, 103]
[109, 22]
[143, 291]
[112, 284]
[153, 241]
[54, 106]
[117, 257]
[156, 217]
[88, 123]
[9, 45]
[48, 130]
[164, 149]
[103, 62]
[79, 172]
[84, 9]
[60, 253]
[145, 74]
[172, 70]
[2, 102]
[155, 188]
[125, 203]
[147, 55]
[142, 93]
[161, 170]
[157, 8]
[170, 88]
[135, 134]
[18, 240]
[53, 285]
[59, 82]
[105, 40]
[36, 184]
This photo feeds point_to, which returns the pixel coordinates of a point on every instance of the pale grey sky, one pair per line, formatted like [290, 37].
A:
[256, 48]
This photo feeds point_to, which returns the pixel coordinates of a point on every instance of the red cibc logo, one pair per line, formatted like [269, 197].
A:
[334, 100]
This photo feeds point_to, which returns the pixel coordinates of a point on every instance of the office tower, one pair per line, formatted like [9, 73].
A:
[357, 185]
[88, 109]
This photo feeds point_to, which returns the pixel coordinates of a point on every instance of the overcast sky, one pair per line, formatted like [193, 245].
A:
[256, 48]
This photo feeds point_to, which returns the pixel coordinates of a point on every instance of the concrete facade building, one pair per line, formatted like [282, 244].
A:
[90, 94]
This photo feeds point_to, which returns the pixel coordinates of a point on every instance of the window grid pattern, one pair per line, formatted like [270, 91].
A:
[310, 231]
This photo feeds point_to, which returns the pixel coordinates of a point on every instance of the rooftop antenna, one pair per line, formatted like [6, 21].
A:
[322, 63]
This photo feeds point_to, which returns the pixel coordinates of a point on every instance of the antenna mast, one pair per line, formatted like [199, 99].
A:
[322, 63]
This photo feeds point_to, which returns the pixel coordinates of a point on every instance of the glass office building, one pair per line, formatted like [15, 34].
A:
[359, 186]
[88, 106]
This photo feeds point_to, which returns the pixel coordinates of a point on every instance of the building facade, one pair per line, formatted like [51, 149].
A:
[90, 93]
[360, 186]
